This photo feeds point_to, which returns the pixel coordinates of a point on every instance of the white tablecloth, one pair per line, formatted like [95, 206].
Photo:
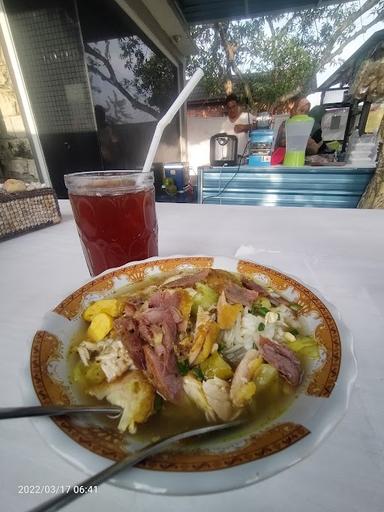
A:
[339, 252]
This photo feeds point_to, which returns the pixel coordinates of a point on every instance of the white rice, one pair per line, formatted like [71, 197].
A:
[245, 334]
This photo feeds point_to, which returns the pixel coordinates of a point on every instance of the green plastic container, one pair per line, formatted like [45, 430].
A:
[294, 158]
[298, 130]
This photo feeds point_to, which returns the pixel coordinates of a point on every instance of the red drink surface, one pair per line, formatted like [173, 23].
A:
[115, 229]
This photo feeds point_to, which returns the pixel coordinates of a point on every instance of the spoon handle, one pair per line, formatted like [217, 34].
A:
[56, 410]
[64, 499]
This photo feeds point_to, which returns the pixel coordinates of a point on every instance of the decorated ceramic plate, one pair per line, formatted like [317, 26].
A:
[181, 342]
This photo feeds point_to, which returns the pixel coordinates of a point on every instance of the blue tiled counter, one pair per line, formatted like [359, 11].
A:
[326, 187]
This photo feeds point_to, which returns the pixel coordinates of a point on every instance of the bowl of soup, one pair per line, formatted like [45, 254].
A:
[184, 342]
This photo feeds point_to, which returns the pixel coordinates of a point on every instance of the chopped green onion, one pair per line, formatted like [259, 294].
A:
[261, 326]
[183, 367]
[198, 373]
[259, 310]
[295, 307]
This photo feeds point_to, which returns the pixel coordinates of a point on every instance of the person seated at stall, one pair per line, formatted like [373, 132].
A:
[236, 122]
[300, 106]
[317, 113]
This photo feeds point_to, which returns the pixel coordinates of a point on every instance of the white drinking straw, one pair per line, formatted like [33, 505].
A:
[165, 120]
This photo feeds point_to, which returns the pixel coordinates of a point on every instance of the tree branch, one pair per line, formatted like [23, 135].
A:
[347, 22]
[284, 30]
[273, 45]
[112, 79]
[220, 30]
[327, 58]
[230, 51]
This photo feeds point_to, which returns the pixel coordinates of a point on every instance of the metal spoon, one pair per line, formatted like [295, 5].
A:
[55, 410]
[64, 499]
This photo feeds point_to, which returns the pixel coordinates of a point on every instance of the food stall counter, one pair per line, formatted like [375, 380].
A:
[312, 186]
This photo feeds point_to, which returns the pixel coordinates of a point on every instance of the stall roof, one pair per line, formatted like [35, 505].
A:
[206, 11]
[346, 72]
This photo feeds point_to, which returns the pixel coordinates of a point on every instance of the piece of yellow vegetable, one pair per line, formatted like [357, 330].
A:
[255, 366]
[306, 346]
[85, 376]
[206, 334]
[100, 326]
[205, 297]
[78, 374]
[212, 334]
[112, 307]
[227, 313]
[94, 374]
[245, 393]
[185, 304]
[266, 376]
[198, 343]
[216, 366]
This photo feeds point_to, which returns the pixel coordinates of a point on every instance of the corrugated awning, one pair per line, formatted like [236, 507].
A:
[205, 11]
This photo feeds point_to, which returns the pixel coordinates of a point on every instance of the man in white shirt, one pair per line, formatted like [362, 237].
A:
[236, 122]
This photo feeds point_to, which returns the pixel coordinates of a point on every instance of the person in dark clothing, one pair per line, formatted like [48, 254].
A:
[110, 144]
[317, 134]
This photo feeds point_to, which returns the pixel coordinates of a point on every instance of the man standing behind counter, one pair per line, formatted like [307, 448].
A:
[236, 122]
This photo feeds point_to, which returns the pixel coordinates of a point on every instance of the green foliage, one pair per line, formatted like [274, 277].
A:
[280, 54]
[154, 75]
[150, 80]
[277, 55]
[273, 65]
[155, 78]
[210, 57]
[290, 66]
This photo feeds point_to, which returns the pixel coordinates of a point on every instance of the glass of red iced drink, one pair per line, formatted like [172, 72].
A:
[115, 216]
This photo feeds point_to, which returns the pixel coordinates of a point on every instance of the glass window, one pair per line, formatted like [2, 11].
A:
[16, 158]
[47, 38]
[132, 84]
[334, 96]
[334, 123]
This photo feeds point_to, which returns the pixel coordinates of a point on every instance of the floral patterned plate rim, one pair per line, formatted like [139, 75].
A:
[232, 462]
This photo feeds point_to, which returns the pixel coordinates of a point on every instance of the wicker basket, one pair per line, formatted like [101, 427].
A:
[21, 212]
